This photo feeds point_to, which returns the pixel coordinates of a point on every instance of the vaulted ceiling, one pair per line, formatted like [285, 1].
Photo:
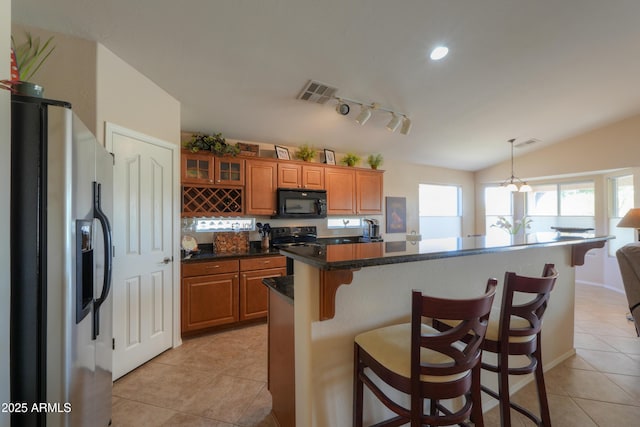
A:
[524, 69]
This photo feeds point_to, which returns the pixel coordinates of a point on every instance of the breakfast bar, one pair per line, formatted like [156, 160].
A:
[339, 291]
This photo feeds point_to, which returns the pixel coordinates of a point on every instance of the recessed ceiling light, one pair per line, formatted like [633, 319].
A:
[439, 53]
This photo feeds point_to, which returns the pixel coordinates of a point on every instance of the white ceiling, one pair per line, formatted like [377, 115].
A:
[544, 69]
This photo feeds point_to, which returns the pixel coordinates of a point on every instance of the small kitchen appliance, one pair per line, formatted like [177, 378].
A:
[371, 231]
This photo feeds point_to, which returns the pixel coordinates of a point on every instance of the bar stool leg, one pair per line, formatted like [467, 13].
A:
[503, 389]
[542, 391]
[476, 396]
[358, 392]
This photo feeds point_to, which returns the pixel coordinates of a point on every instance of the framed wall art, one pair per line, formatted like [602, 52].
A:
[329, 157]
[396, 214]
[282, 153]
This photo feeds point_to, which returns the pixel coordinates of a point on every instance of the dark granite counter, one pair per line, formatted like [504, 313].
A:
[206, 253]
[358, 255]
[282, 285]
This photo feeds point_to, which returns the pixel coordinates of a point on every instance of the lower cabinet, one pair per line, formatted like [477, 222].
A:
[224, 292]
[253, 294]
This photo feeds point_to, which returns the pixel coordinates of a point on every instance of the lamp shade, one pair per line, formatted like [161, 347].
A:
[631, 219]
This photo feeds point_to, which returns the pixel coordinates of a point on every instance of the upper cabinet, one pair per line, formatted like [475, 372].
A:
[213, 185]
[261, 185]
[352, 191]
[341, 190]
[200, 168]
[369, 192]
[197, 168]
[229, 171]
[296, 175]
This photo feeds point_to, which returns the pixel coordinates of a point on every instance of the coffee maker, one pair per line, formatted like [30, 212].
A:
[371, 231]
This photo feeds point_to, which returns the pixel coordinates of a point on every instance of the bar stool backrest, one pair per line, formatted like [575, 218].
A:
[472, 314]
[520, 322]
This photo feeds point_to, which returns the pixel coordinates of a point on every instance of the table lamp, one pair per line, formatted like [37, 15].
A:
[631, 220]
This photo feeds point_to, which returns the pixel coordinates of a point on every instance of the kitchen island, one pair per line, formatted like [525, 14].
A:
[343, 290]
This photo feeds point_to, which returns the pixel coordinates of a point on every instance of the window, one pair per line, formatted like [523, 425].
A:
[333, 223]
[543, 200]
[497, 202]
[567, 204]
[439, 210]
[621, 200]
[577, 199]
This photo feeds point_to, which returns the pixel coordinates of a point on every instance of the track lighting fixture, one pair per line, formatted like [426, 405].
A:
[366, 111]
[406, 125]
[365, 114]
[514, 183]
[342, 108]
[394, 122]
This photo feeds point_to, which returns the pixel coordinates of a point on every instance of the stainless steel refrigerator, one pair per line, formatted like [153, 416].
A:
[61, 257]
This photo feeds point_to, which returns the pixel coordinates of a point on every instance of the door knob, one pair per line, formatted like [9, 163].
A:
[166, 260]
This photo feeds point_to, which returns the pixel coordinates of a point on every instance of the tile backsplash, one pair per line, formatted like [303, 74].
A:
[321, 224]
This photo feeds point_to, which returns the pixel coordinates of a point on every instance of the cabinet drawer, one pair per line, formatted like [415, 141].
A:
[206, 268]
[262, 262]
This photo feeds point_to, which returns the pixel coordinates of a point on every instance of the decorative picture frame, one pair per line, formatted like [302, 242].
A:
[329, 157]
[282, 153]
[396, 214]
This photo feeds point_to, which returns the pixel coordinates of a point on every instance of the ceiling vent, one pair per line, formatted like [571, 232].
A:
[317, 92]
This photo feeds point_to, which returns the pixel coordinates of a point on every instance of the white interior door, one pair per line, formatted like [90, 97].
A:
[143, 277]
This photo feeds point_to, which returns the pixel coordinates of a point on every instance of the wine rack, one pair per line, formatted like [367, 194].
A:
[199, 201]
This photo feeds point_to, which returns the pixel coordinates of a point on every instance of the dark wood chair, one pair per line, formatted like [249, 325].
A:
[425, 363]
[515, 330]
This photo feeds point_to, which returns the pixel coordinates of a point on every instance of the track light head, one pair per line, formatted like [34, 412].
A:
[394, 122]
[406, 126]
[342, 108]
[365, 114]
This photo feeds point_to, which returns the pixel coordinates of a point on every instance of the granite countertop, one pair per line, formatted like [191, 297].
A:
[357, 255]
[282, 285]
[206, 253]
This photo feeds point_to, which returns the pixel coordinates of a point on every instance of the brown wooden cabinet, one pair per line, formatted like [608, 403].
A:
[289, 175]
[281, 359]
[223, 292]
[253, 294]
[296, 175]
[313, 177]
[261, 185]
[341, 190]
[229, 171]
[209, 294]
[369, 192]
[197, 168]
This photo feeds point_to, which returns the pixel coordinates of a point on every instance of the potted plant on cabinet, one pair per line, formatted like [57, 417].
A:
[350, 159]
[306, 153]
[374, 160]
[26, 59]
[215, 143]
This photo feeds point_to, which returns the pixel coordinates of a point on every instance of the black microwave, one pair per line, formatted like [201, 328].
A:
[298, 203]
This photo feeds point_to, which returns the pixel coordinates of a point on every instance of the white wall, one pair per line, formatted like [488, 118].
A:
[5, 179]
[127, 98]
[590, 155]
[69, 73]
[401, 180]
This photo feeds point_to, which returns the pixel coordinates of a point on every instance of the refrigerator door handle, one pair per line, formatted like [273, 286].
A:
[108, 257]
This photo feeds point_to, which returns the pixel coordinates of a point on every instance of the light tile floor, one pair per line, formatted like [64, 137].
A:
[219, 380]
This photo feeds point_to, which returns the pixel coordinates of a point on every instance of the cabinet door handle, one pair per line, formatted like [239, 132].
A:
[213, 266]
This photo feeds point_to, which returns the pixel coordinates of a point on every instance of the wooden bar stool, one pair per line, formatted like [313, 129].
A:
[424, 363]
[516, 331]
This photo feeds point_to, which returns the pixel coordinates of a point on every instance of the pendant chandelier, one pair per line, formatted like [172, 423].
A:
[514, 183]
